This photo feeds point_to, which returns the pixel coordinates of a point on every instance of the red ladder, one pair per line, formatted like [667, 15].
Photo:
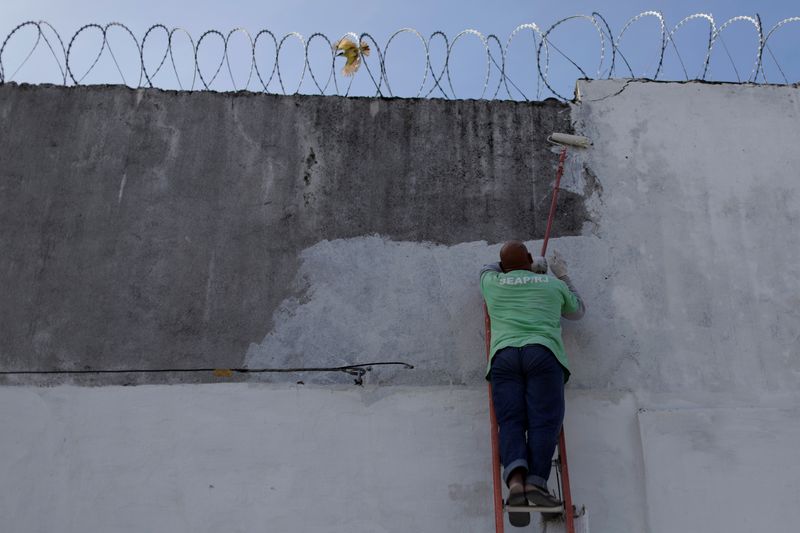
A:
[561, 462]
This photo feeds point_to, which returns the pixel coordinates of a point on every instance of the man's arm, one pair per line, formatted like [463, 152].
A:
[559, 268]
[491, 267]
[576, 315]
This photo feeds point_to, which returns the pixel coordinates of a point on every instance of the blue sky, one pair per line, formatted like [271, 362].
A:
[734, 55]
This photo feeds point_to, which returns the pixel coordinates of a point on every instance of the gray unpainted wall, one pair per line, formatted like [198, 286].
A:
[146, 229]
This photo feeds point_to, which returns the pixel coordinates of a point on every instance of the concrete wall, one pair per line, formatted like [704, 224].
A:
[150, 229]
[678, 225]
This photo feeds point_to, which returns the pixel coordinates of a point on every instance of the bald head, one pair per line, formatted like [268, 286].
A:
[515, 256]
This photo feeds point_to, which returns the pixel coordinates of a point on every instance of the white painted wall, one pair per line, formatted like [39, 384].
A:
[699, 245]
[682, 410]
[695, 300]
[261, 457]
[242, 458]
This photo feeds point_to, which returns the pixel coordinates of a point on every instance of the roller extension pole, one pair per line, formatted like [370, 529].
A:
[559, 173]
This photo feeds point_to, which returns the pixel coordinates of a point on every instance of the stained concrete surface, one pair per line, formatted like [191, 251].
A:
[154, 229]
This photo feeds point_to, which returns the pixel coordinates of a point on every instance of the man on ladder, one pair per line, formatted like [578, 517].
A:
[528, 367]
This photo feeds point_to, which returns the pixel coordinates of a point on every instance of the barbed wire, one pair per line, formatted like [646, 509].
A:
[436, 82]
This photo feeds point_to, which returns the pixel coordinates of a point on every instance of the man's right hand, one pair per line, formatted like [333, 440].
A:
[557, 265]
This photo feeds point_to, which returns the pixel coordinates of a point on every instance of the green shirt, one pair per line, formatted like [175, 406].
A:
[526, 308]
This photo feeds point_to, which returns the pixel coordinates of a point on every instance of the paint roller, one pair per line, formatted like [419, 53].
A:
[563, 140]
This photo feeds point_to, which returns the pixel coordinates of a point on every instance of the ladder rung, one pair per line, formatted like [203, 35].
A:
[532, 509]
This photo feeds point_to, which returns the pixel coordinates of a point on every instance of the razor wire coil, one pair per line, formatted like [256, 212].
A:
[436, 76]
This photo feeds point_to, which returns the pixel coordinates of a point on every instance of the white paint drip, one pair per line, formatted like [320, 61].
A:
[209, 284]
[374, 108]
[122, 188]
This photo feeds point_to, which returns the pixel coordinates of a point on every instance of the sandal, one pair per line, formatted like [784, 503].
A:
[517, 498]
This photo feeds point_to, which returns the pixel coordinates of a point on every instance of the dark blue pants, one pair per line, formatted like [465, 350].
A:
[528, 396]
